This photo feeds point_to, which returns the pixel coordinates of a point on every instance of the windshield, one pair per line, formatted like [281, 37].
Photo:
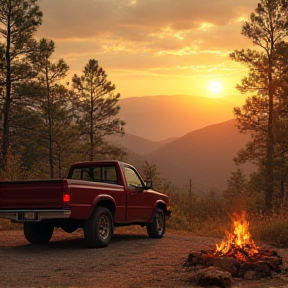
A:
[132, 178]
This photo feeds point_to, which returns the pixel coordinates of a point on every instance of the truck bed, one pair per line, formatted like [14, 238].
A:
[40, 194]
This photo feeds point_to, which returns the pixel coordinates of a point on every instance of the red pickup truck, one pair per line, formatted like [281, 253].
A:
[96, 196]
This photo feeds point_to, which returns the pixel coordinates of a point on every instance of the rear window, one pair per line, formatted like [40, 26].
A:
[106, 174]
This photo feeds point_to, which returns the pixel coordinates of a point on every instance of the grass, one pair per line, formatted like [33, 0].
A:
[271, 231]
[6, 224]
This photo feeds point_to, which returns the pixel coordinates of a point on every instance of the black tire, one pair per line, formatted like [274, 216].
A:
[38, 233]
[98, 229]
[157, 228]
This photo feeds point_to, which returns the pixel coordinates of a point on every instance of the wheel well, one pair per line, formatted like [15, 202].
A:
[161, 206]
[107, 204]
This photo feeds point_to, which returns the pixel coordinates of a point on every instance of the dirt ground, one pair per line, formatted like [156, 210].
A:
[131, 260]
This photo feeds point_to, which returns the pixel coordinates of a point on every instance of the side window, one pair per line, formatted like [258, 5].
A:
[83, 173]
[76, 173]
[86, 174]
[132, 178]
[109, 174]
[97, 174]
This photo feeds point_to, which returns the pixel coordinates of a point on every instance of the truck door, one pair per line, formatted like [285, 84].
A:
[138, 201]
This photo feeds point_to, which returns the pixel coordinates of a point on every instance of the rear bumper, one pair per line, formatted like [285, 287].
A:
[34, 215]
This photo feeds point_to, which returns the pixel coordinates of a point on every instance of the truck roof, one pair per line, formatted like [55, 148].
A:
[89, 163]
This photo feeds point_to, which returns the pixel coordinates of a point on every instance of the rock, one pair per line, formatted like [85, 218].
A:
[214, 276]
[274, 262]
[252, 275]
[263, 268]
[230, 265]
[195, 258]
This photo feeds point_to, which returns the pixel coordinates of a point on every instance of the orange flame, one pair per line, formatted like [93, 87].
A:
[239, 243]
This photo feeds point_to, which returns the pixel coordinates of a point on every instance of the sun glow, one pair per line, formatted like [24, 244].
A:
[215, 87]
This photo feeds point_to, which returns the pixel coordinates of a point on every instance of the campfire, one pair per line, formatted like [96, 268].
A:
[239, 243]
[236, 256]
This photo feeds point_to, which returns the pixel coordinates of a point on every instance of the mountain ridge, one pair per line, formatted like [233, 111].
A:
[204, 156]
[200, 139]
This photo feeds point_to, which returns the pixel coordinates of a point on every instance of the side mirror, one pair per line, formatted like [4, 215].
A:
[149, 184]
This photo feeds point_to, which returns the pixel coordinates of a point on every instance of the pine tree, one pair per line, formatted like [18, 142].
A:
[98, 106]
[267, 28]
[236, 192]
[53, 103]
[18, 21]
[150, 171]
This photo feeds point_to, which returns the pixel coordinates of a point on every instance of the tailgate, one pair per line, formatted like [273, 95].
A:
[31, 194]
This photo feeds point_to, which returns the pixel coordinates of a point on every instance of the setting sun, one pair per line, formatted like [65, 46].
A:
[215, 87]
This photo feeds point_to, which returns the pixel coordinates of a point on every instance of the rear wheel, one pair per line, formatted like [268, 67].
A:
[38, 233]
[157, 228]
[98, 229]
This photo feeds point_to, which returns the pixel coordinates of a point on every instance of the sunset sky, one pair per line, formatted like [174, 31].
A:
[152, 47]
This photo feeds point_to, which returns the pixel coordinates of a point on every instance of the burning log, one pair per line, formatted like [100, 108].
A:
[237, 255]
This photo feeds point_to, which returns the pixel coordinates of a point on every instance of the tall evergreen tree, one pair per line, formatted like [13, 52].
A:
[65, 133]
[98, 106]
[281, 126]
[235, 194]
[267, 28]
[54, 102]
[18, 21]
[150, 171]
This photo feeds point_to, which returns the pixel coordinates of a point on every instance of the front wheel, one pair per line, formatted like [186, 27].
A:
[157, 228]
[38, 233]
[98, 229]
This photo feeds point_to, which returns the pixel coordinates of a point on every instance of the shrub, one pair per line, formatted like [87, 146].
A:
[275, 233]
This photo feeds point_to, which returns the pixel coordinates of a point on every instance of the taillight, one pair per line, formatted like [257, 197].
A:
[66, 192]
[66, 197]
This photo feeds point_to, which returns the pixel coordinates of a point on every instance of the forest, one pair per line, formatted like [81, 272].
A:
[46, 124]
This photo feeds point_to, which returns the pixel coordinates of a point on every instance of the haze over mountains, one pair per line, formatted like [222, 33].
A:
[161, 117]
[203, 155]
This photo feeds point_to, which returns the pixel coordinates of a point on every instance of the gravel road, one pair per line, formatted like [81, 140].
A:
[131, 260]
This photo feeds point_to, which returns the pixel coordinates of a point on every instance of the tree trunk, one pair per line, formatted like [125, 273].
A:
[51, 162]
[7, 101]
[270, 141]
[91, 130]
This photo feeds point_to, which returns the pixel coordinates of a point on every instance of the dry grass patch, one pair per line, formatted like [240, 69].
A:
[6, 224]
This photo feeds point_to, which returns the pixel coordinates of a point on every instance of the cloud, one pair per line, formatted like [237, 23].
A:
[155, 37]
[134, 20]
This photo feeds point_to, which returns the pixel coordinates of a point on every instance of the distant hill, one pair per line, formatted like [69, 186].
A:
[137, 144]
[205, 156]
[161, 117]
